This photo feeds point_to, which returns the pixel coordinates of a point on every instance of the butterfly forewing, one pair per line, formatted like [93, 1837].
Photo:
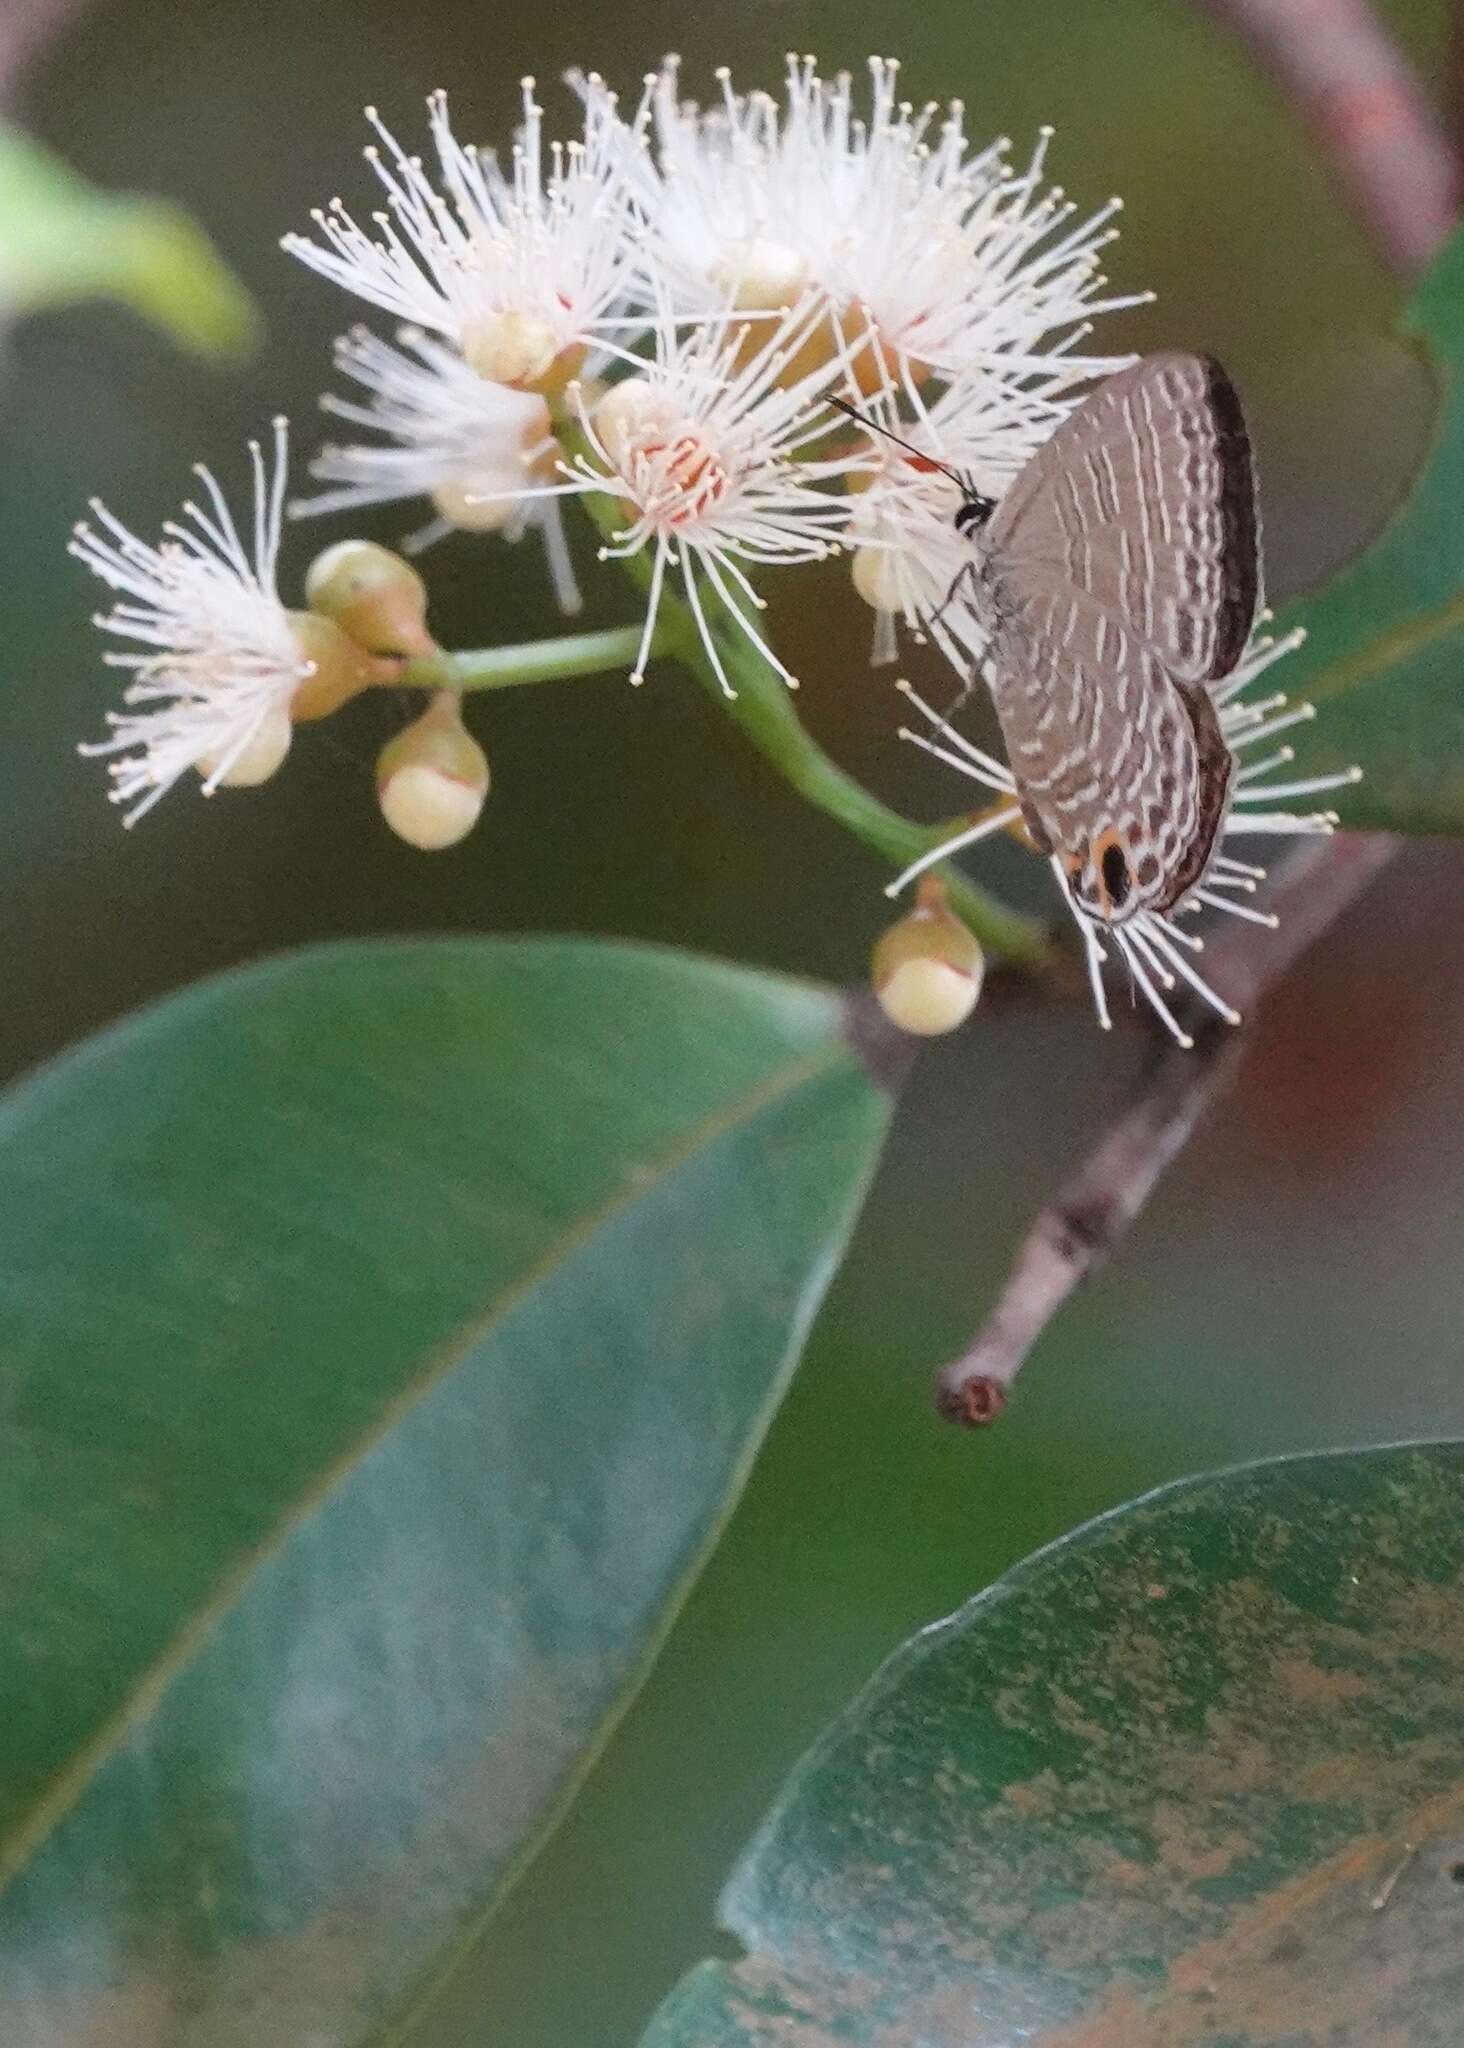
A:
[1144, 502]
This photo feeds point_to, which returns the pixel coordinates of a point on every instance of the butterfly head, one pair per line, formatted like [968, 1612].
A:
[974, 510]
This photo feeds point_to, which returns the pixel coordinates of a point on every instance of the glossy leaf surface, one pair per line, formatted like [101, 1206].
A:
[1194, 1775]
[386, 1332]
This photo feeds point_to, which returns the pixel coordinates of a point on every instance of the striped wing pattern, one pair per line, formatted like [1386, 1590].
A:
[1121, 576]
[1144, 503]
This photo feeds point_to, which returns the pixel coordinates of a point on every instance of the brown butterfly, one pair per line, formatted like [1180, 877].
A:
[1112, 593]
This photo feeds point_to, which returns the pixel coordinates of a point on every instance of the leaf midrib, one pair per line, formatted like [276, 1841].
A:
[143, 1696]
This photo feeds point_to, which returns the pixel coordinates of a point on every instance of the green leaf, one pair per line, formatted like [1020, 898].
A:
[63, 240]
[1192, 1778]
[386, 1333]
[1384, 657]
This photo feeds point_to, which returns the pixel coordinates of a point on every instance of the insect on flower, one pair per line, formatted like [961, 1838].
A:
[1113, 594]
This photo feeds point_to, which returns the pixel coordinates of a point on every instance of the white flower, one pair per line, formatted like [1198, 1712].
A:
[1154, 947]
[471, 446]
[222, 660]
[708, 448]
[514, 271]
[941, 258]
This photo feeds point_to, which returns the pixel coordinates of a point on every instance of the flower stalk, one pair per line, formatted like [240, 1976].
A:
[763, 709]
[532, 661]
[761, 704]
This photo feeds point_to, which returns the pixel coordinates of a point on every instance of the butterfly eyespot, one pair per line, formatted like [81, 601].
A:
[1110, 864]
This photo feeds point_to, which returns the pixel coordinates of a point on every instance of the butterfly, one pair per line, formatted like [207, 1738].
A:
[1114, 590]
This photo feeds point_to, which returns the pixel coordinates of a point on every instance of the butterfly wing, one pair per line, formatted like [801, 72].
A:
[1143, 504]
[1106, 749]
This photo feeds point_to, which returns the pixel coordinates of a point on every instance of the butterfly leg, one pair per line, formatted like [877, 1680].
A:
[966, 573]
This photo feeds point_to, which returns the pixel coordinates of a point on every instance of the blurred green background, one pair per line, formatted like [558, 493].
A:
[1298, 1283]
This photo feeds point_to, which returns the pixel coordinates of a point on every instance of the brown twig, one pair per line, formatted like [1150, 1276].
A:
[1090, 1213]
[1369, 111]
[1390, 147]
[26, 26]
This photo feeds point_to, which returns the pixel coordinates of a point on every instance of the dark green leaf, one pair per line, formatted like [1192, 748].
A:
[1384, 655]
[62, 240]
[386, 1333]
[1192, 1778]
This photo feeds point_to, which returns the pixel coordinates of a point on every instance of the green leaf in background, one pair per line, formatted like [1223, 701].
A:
[1192, 1778]
[62, 240]
[386, 1334]
[1384, 656]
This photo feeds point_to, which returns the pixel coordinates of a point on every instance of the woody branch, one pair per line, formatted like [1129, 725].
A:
[1389, 147]
[26, 26]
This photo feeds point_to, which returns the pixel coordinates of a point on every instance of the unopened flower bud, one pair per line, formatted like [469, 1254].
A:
[432, 779]
[510, 348]
[927, 969]
[262, 753]
[339, 668]
[876, 573]
[373, 595]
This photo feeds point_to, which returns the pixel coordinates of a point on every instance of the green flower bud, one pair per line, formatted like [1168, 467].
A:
[432, 779]
[372, 595]
[927, 969]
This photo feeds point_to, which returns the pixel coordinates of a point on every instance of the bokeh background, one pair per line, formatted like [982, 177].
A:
[1297, 1283]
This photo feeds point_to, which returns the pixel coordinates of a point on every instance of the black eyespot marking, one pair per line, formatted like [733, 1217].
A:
[972, 514]
[1115, 875]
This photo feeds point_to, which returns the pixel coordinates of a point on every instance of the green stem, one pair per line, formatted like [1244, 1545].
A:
[535, 661]
[763, 708]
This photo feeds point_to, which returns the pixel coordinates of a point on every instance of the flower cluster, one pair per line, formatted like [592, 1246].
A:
[742, 336]
[654, 316]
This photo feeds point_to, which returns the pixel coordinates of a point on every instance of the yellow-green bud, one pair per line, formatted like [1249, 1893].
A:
[339, 668]
[373, 595]
[256, 761]
[927, 969]
[432, 779]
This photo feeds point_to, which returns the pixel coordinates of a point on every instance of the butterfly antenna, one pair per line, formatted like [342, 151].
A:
[874, 427]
